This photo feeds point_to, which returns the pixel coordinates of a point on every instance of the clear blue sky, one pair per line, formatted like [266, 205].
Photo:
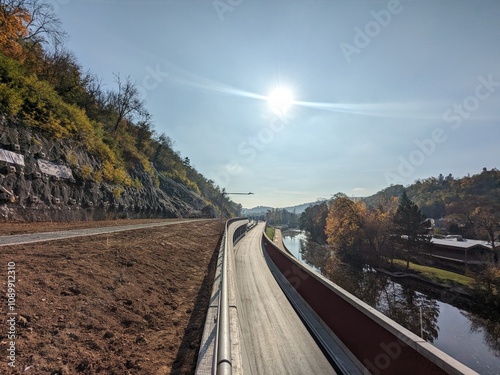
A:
[387, 91]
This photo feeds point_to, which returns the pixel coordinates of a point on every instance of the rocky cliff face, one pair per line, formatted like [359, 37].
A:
[42, 189]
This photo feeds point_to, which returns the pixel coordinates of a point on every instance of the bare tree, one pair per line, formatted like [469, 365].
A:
[144, 129]
[125, 102]
[487, 218]
[96, 99]
[44, 23]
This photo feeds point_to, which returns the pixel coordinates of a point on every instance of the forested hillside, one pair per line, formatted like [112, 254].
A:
[52, 106]
[469, 206]
[449, 198]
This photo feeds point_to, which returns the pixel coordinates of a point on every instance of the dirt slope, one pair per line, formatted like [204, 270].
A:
[129, 303]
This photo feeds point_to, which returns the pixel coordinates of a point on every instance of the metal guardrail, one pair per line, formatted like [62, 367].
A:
[223, 360]
[223, 341]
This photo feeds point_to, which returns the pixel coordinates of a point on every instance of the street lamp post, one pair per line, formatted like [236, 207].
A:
[226, 193]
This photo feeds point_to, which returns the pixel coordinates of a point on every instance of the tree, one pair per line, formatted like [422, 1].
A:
[14, 20]
[410, 227]
[94, 102]
[487, 220]
[25, 25]
[377, 225]
[125, 102]
[60, 67]
[145, 131]
[313, 220]
[43, 23]
[164, 144]
[460, 215]
[344, 226]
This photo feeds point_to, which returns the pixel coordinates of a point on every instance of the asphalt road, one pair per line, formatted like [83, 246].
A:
[276, 340]
[52, 236]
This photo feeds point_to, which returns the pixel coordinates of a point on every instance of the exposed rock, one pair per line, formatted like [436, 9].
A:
[27, 194]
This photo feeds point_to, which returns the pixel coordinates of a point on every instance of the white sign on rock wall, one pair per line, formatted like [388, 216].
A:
[52, 169]
[11, 157]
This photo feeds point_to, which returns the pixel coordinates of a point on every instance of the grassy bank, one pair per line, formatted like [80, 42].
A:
[437, 275]
[270, 233]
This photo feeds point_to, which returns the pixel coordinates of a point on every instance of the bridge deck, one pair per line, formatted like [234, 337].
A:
[276, 340]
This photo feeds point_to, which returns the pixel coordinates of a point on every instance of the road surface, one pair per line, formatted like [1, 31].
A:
[276, 340]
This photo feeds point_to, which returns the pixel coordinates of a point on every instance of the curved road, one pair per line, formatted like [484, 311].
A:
[275, 339]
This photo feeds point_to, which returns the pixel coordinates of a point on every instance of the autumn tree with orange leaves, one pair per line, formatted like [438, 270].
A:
[377, 228]
[358, 232]
[14, 21]
[25, 25]
[344, 227]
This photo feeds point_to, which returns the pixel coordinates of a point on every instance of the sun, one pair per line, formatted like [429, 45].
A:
[280, 100]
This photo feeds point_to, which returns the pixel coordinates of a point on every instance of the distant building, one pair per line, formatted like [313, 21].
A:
[460, 253]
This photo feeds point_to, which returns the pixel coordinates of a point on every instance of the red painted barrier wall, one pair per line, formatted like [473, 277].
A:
[374, 345]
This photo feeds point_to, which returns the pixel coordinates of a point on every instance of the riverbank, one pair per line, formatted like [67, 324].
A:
[453, 294]
[452, 287]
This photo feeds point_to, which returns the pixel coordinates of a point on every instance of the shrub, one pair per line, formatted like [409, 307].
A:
[86, 171]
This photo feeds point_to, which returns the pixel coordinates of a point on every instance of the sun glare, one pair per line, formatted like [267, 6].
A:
[280, 100]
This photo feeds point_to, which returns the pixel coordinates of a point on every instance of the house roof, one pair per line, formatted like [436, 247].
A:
[461, 243]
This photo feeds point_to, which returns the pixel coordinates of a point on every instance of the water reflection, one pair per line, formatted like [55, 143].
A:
[412, 306]
[411, 309]
[401, 303]
[489, 328]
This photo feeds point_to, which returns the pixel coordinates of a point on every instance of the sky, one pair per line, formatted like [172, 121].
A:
[385, 92]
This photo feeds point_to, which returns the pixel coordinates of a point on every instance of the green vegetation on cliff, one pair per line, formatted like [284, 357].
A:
[47, 90]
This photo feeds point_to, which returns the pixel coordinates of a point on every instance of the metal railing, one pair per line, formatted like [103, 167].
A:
[223, 359]
[223, 342]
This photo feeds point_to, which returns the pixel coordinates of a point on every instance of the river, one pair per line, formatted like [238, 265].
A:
[465, 336]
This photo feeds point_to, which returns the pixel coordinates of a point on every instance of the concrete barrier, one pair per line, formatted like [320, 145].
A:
[380, 344]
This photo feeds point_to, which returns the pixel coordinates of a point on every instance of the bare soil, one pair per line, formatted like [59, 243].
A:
[126, 303]
[12, 228]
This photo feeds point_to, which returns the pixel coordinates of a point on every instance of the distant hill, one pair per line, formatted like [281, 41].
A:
[256, 210]
[302, 207]
[436, 195]
[263, 209]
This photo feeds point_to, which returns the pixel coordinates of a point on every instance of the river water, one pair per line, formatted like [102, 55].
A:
[465, 336]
